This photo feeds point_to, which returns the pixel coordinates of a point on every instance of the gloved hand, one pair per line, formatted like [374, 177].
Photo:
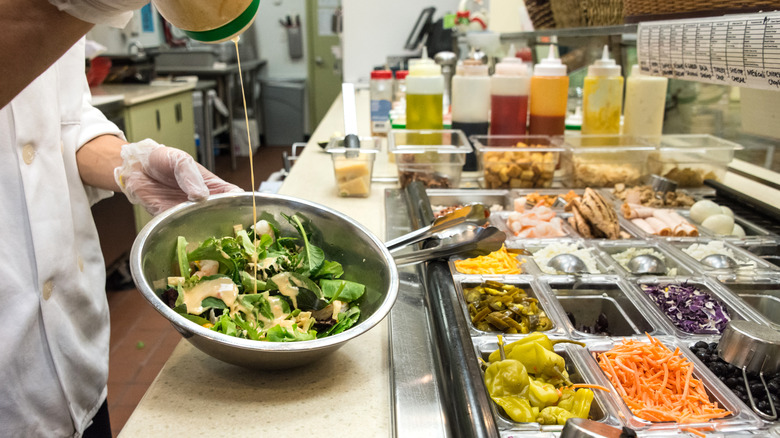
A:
[159, 177]
[115, 13]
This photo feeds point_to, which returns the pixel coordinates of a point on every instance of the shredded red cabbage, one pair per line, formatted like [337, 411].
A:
[689, 308]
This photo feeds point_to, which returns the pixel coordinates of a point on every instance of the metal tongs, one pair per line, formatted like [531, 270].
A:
[459, 232]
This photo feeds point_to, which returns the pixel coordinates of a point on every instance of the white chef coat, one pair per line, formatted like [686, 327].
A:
[55, 319]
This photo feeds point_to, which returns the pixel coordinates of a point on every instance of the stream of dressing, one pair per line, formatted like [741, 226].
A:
[251, 161]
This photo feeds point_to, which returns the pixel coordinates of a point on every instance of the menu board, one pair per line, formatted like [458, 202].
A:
[741, 50]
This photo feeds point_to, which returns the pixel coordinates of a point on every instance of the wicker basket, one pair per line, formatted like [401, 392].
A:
[541, 14]
[581, 13]
[642, 10]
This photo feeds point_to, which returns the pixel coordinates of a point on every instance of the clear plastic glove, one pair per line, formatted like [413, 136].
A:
[159, 177]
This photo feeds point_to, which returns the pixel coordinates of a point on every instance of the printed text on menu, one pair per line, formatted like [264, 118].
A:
[740, 50]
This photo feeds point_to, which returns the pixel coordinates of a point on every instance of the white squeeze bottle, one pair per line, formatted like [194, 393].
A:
[471, 102]
[645, 102]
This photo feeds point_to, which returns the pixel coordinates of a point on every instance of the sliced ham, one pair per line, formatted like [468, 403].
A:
[659, 227]
[631, 211]
[641, 223]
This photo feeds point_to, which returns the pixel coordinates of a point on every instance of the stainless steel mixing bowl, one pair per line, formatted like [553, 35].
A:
[363, 255]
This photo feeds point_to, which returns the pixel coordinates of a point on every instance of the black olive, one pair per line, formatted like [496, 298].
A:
[731, 382]
[713, 346]
[703, 355]
[714, 358]
[773, 387]
[700, 344]
[757, 388]
[719, 369]
[763, 406]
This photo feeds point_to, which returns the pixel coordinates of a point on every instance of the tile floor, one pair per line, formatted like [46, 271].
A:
[141, 339]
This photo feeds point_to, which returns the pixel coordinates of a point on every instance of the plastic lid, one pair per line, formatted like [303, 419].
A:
[424, 66]
[401, 74]
[511, 65]
[550, 66]
[471, 67]
[604, 66]
[381, 74]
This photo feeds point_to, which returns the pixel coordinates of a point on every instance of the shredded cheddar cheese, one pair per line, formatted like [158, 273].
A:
[497, 262]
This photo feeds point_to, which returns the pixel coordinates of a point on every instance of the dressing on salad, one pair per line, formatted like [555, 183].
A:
[260, 285]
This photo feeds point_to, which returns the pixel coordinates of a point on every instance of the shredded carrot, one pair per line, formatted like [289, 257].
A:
[586, 385]
[695, 432]
[497, 262]
[661, 389]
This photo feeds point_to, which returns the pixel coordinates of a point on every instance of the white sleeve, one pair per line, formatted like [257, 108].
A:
[113, 13]
[94, 124]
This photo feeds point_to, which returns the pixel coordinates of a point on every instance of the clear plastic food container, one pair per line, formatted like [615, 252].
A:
[729, 304]
[604, 160]
[490, 312]
[516, 161]
[598, 308]
[621, 252]
[739, 418]
[762, 294]
[689, 159]
[353, 167]
[433, 157]
[580, 371]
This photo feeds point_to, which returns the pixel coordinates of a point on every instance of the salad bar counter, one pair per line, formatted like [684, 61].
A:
[609, 341]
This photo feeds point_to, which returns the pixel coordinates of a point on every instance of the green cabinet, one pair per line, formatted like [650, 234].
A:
[168, 120]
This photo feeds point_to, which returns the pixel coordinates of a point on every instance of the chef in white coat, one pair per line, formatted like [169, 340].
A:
[58, 156]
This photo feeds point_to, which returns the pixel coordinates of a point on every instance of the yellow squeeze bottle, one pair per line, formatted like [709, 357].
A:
[424, 94]
[602, 97]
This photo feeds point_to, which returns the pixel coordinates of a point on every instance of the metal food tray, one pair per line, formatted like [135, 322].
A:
[436, 378]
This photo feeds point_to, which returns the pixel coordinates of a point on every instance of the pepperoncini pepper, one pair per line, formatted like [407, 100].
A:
[506, 377]
[541, 394]
[529, 381]
[517, 408]
[536, 337]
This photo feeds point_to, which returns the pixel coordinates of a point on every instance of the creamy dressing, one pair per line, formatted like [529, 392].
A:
[284, 282]
[222, 288]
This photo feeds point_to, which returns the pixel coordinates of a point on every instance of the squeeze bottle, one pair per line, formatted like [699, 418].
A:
[381, 92]
[509, 96]
[602, 97]
[549, 95]
[471, 102]
[424, 94]
[645, 102]
[209, 21]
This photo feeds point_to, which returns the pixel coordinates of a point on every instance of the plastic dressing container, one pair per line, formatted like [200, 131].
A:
[424, 94]
[471, 102]
[602, 97]
[509, 96]
[645, 102]
[549, 96]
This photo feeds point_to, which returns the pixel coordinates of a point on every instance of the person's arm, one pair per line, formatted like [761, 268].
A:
[33, 35]
[97, 160]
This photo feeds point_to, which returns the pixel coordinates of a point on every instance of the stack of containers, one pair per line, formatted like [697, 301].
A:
[471, 102]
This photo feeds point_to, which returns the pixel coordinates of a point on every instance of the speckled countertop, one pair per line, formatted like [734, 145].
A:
[347, 394]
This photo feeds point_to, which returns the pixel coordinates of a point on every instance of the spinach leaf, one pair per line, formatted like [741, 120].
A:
[330, 270]
[307, 300]
[250, 330]
[280, 334]
[181, 255]
[313, 256]
[248, 282]
[346, 320]
[351, 292]
[226, 251]
[213, 302]
[226, 325]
